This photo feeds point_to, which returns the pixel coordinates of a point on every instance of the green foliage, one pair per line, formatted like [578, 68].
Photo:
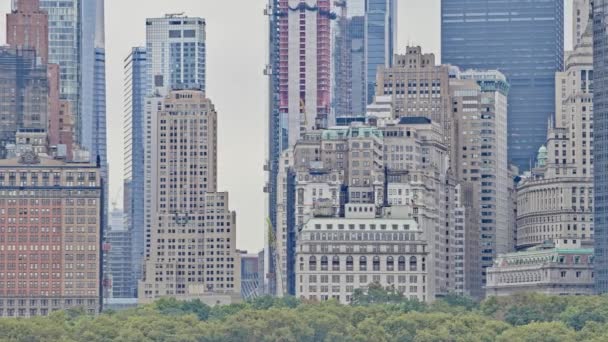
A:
[378, 315]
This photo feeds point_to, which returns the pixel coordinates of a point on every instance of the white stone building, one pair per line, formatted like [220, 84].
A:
[335, 256]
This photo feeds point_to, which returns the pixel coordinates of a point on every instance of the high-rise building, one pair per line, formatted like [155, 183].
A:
[24, 91]
[27, 28]
[299, 73]
[176, 51]
[479, 153]
[119, 279]
[380, 39]
[600, 145]
[63, 206]
[580, 19]
[136, 90]
[192, 229]
[525, 41]
[349, 67]
[417, 87]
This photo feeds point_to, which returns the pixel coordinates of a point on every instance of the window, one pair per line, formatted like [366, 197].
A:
[349, 263]
[376, 264]
[312, 263]
[390, 264]
[413, 264]
[324, 263]
[363, 263]
[401, 263]
[335, 263]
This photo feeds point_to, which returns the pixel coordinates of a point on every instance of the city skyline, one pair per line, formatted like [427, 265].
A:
[231, 56]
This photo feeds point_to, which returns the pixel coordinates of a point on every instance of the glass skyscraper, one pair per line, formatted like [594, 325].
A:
[380, 38]
[600, 142]
[176, 53]
[135, 92]
[524, 40]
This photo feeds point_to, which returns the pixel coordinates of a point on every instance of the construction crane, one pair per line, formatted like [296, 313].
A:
[278, 266]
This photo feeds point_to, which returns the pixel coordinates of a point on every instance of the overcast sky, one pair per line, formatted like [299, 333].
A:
[236, 55]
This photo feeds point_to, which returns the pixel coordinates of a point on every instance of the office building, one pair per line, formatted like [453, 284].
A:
[417, 87]
[27, 28]
[349, 67]
[24, 90]
[564, 166]
[479, 153]
[176, 53]
[192, 251]
[250, 276]
[55, 208]
[559, 269]
[525, 41]
[119, 280]
[135, 69]
[299, 73]
[336, 256]
[380, 39]
[600, 146]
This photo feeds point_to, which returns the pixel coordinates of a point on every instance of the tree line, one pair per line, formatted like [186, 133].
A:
[375, 315]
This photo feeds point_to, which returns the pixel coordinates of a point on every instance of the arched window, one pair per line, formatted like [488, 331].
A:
[312, 263]
[335, 263]
[362, 263]
[413, 263]
[376, 263]
[401, 263]
[390, 264]
[349, 263]
[324, 263]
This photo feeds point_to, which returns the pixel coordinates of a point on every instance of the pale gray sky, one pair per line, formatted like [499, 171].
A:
[236, 55]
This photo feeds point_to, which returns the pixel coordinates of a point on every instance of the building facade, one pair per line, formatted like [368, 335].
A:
[51, 219]
[600, 145]
[380, 39]
[119, 279]
[553, 269]
[136, 90]
[495, 35]
[336, 256]
[24, 90]
[28, 28]
[176, 53]
[192, 251]
[479, 153]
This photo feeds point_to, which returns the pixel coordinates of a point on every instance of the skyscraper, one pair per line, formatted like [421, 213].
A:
[27, 27]
[600, 146]
[176, 53]
[522, 39]
[135, 67]
[193, 230]
[24, 90]
[63, 205]
[300, 83]
[380, 39]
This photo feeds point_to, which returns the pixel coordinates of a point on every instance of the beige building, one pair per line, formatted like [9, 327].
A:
[479, 153]
[555, 201]
[563, 268]
[336, 256]
[417, 86]
[192, 253]
[50, 236]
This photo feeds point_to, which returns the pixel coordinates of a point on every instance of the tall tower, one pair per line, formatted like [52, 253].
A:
[135, 68]
[176, 53]
[600, 145]
[300, 83]
[193, 231]
[522, 39]
[380, 39]
[27, 27]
